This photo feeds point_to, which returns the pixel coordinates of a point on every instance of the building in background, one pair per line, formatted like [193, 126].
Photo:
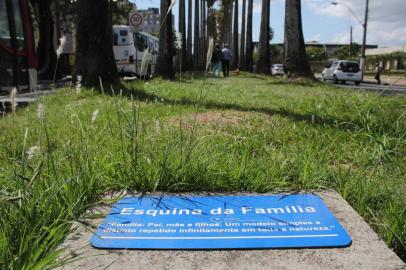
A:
[151, 20]
[392, 58]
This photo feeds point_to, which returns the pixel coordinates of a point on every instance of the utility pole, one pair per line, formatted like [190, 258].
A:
[350, 53]
[364, 39]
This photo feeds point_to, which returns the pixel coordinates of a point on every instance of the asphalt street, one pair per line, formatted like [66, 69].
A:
[383, 88]
[390, 85]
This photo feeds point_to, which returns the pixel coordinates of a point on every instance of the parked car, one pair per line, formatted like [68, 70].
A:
[342, 71]
[277, 70]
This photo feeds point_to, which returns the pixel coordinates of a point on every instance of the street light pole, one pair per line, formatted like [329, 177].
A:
[364, 25]
[364, 39]
[350, 53]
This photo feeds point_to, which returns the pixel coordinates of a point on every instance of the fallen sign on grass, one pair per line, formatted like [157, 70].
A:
[220, 222]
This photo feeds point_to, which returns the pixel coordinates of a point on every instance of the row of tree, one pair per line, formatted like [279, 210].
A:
[93, 20]
[221, 26]
[94, 58]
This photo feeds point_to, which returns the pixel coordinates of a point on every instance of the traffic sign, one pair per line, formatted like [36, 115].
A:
[220, 222]
[136, 20]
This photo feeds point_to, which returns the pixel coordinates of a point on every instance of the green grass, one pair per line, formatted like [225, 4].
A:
[246, 133]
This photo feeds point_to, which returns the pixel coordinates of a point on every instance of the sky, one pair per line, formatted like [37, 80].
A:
[327, 23]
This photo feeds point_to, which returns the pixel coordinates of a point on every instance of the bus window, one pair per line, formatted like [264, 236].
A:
[155, 47]
[18, 20]
[151, 45]
[139, 41]
[145, 41]
[17, 56]
[115, 39]
[123, 37]
[4, 28]
[6, 78]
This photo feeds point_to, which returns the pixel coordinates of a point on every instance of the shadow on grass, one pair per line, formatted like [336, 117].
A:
[254, 76]
[273, 80]
[299, 83]
[142, 95]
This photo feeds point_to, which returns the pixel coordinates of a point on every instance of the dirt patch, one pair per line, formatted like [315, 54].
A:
[218, 118]
[226, 118]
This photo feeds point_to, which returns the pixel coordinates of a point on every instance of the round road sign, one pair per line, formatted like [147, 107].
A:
[136, 19]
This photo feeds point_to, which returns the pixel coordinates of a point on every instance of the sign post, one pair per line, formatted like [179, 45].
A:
[136, 21]
[220, 222]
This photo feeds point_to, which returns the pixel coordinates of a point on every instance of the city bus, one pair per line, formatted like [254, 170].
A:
[129, 48]
[17, 48]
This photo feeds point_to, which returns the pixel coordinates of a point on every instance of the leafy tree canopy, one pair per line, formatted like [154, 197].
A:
[344, 51]
[316, 53]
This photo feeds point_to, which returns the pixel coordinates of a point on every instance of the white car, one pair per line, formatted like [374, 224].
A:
[277, 69]
[342, 71]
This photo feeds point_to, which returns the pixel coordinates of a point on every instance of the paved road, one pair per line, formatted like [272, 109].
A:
[385, 89]
[390, 85]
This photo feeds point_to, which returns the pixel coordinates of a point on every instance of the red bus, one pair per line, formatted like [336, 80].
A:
[17, 49]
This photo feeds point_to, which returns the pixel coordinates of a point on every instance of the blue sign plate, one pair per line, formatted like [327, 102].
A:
[220, 222]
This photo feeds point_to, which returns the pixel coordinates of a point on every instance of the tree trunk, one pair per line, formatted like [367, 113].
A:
[190, 35]
[248, 47]
[46, 50]
[165, 54]
[230, 24]
[202, 34]
[94, 54]
[296, 63]
[224, 25]
[263, 62]
[211, 25]
[206, 39]
[196, 36]
[235, 36]
[242, 40]
[182, 31]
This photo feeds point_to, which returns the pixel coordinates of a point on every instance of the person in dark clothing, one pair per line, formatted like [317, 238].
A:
[378, 71]
[226, 60]
[216, 59]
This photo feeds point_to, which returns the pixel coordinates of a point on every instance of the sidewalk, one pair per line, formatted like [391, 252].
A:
[24, 98]
[387, 80]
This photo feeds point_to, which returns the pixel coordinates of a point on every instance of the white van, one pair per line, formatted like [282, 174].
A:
[129, 48]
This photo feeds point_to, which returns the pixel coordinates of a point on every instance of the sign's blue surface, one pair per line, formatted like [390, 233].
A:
[220, 222]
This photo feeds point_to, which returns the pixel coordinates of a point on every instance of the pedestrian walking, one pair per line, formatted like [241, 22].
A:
[378, 71]
[216, 60]
[226, 60]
